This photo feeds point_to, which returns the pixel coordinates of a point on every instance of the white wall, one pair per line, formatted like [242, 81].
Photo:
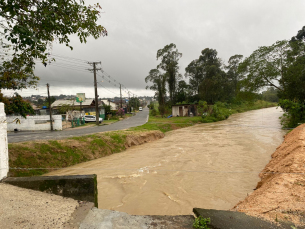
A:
[3, 144]
[34, 123]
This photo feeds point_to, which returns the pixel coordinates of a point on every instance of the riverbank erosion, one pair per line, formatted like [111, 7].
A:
[39, 157]
[280, 195]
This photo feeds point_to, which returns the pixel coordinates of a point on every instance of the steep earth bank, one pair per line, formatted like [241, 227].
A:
[280, 195]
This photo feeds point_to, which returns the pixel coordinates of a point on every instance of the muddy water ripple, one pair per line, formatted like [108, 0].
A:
[208, 166]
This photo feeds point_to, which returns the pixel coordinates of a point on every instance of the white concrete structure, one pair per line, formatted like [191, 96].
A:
[41, 122]
[3, 144]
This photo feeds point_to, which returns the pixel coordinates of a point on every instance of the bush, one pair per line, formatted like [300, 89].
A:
[295, 113]
[153, 112]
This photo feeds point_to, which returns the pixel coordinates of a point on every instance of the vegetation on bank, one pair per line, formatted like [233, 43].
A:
[217, 112]
[63, 153]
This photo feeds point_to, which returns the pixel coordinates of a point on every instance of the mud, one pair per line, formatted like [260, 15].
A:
[280, 195]
[212, 166]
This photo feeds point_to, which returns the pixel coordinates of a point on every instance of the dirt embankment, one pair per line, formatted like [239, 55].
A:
[280, 195]
[39, 157]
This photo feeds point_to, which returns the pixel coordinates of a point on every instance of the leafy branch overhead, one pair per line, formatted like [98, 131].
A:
[29, 27]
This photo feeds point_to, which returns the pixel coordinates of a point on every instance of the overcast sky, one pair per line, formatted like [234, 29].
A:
[138, 28]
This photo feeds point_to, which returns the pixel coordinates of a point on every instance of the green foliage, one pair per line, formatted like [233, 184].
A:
[202, 107]
[158, 86]
[134, 102]
[29, 27]
[153, 112]
[270, 95]
[215, 85]
[170, 56]
[221, 111]
[107, 109]
[16, 105]
[295, 113]
[201, 223]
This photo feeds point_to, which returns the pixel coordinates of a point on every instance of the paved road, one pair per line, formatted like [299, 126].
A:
[137, 120]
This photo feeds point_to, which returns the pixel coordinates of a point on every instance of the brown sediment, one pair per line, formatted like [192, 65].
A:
[280, 195]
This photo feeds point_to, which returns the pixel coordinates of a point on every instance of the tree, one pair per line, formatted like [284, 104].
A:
[16, 105]
[196, 75]
[215, 84]
[266, 66]
[134, 102]
[158, 81]
[30, 26]
[233, 74]
[170, 56]
[183, 91]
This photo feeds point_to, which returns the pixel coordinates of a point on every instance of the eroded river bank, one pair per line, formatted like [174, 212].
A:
[206, 166]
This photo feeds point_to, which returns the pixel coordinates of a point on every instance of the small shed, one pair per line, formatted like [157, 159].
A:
[184, 110]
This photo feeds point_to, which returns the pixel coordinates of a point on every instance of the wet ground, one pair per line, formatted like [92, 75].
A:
[210, 166]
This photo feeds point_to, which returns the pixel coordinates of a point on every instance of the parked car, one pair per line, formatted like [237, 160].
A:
[140, 109]
[92, 118]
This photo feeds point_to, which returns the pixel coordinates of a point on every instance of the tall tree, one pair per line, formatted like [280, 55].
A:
[214, 85]
[266, 66]
[196, 75]
[30, 26]
[158, 81]
[233, 73]
[170, 56]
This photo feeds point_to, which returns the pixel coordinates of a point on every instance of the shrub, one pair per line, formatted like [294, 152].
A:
[153, 112]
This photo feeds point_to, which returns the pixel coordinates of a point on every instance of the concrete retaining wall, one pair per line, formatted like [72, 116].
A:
[41, 122]
[3, 144]
[78, 187]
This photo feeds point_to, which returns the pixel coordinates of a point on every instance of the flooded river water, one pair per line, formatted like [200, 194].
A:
[209, 166]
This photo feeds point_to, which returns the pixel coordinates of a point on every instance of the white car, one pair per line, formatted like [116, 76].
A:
[140, 108]
[92, 118]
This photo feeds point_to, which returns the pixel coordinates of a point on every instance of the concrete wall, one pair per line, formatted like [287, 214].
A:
[3, 144]
[41, 122]
[175, 110]
[78, 187]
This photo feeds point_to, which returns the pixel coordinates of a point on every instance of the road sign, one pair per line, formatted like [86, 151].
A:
[80, 97]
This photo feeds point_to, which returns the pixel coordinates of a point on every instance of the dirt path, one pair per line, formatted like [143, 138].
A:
[207, 166]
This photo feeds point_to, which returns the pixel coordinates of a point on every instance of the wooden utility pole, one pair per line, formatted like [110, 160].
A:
[129, 107]
[50, 109]
[97, 115]
[121, 95]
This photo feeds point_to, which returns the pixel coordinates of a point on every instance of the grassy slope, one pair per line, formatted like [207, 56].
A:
[63, 153]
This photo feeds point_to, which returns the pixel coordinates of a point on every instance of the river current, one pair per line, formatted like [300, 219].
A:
[212, 166]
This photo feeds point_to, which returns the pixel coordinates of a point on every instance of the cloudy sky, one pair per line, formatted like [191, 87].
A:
[138, 28]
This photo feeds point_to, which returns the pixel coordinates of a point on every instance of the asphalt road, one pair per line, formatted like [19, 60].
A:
[139, 119]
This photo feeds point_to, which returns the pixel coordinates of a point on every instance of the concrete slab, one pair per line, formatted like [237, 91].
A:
[107, 219]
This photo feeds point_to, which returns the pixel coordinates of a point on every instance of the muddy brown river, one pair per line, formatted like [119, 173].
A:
[209, 166]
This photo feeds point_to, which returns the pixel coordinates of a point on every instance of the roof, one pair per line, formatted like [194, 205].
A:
[60, 102]
[112, 105]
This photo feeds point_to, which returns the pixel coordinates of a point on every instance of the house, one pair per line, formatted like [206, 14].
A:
[112, 105]
[88, 106]
[183, 110]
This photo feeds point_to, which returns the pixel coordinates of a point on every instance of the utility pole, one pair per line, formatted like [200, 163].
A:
[121, 95]
[97, 115]
[50, 109]
[129, 107]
